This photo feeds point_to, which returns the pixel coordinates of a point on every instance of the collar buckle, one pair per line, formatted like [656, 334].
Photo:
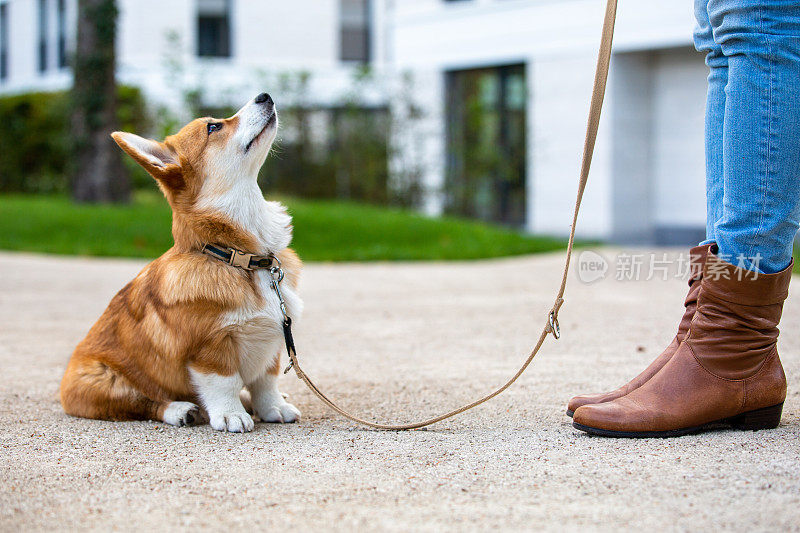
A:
[240, 259]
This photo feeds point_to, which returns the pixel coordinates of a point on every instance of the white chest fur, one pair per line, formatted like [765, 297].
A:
[257, 331]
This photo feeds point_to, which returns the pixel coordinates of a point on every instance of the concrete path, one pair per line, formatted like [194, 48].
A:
[396, 342]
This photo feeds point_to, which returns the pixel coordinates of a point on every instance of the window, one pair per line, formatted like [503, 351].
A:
[42, 35]
[214, 28]
[62, 33]
[354, 21]
[3, 41]
[486, 144]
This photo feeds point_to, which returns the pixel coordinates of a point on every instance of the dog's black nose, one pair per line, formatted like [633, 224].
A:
[263, 98]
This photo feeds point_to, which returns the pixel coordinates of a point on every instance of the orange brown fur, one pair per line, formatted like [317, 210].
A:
[170, 318]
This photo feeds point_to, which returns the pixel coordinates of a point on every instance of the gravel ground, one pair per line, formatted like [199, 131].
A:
[396, 342]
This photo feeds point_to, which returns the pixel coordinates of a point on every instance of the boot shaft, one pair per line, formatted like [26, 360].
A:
[697, 262]
[735, 327]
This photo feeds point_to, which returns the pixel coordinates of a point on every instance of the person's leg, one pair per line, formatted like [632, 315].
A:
[715, 115]
[761, 137]
[727, 369]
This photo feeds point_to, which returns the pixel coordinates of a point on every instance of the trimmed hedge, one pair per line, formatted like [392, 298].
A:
[34, 139]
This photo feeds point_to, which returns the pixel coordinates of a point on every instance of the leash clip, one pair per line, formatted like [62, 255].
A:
[276, 275]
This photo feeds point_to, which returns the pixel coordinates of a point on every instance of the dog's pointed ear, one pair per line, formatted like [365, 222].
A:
[157, 158]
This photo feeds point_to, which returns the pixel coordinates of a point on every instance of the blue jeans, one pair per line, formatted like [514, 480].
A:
[752, 128]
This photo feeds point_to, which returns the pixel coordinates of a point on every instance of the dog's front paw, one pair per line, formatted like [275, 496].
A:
[182, 414]
[277, 410]
[234, 422]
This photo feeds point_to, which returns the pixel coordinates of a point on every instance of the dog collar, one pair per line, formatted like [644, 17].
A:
[240, 259]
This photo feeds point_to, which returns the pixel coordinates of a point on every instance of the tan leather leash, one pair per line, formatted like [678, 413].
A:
[598, 93]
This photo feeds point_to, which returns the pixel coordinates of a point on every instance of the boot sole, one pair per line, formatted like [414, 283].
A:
[765, 418]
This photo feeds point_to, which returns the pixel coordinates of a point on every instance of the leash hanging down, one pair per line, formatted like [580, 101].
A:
[551, 326]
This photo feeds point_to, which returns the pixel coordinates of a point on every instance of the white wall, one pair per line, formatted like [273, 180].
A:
[295, 34]
[630, 106]
[143, 26]
[679, 87]
[658, 154]
[269, 37]
[559, 104]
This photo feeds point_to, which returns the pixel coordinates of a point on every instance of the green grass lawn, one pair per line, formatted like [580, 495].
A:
[324, 231]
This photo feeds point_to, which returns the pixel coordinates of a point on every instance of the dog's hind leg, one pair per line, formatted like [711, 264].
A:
[91, 389]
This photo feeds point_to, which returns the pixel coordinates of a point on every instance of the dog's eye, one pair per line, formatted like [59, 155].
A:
[213, 126]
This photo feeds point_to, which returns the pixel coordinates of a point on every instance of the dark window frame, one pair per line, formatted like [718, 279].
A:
[349, 34]
[61, 17]
[4, 41]
[508, 175]
[42, 23]
[222, 45]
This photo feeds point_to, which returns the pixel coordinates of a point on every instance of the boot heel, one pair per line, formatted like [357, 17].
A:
[766, 418]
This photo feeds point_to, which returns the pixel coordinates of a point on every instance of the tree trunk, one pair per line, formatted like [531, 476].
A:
[98, 173]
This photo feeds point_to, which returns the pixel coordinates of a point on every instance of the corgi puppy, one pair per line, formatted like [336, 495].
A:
[181, 341]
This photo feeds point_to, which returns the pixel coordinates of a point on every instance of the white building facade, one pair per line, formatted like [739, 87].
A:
[515, 75]
[647, 183]
[225, 46]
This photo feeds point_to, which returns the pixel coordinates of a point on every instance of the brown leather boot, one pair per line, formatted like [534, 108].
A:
[725, 372]
[697, 259]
